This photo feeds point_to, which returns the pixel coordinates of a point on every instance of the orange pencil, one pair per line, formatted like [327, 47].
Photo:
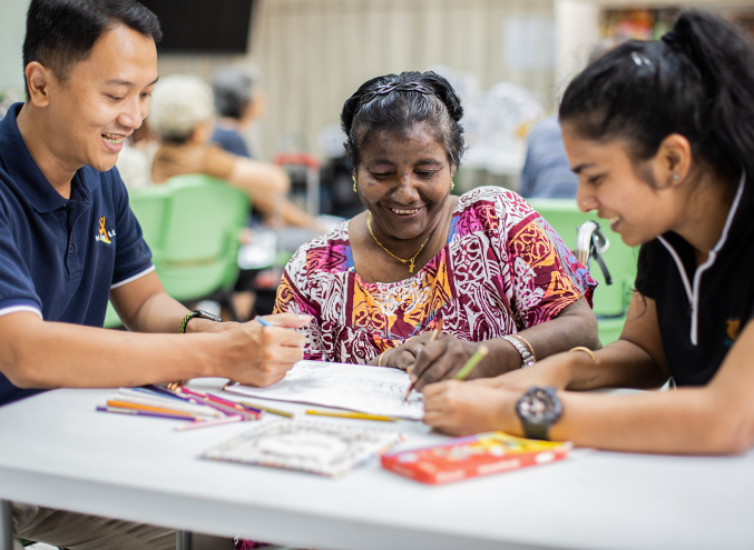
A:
[435, 335]
[124, 405]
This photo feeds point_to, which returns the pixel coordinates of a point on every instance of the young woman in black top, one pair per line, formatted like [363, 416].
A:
[661, 136]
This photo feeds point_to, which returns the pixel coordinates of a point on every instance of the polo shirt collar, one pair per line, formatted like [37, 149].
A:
[737, 216]
[26, 175]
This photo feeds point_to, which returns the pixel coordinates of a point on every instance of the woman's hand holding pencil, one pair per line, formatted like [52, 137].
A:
[405, 355]
[444, 358]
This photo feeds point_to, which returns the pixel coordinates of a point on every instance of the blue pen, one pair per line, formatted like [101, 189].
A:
[262, 321]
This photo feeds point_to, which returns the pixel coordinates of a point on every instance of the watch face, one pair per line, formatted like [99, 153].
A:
[539, 406]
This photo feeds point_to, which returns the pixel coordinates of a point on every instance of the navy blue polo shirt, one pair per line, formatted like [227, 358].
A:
[60, 257]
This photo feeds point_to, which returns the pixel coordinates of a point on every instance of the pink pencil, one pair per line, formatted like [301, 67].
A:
[210, 423]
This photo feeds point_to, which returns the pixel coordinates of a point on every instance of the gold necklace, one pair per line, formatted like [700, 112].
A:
[411, 260]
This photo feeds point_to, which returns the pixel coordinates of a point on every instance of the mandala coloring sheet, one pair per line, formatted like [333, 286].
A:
[361, 388]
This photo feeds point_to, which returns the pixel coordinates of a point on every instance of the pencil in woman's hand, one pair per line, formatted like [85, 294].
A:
[435, 335]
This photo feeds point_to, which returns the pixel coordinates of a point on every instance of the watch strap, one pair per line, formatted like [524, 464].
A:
[535, 431]
[527, 359]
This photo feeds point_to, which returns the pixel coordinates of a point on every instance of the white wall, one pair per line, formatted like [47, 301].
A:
[12, 27]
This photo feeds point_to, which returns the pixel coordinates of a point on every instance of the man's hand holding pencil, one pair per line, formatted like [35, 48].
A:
[260, 353]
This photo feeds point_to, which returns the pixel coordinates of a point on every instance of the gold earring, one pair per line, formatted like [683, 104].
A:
[452, 184]
[354, 183]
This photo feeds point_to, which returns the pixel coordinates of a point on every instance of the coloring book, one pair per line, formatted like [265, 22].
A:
[362, 388]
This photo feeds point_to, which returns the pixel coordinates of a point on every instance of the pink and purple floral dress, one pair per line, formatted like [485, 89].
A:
[503, 269]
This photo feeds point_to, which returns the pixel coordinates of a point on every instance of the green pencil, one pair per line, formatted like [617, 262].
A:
[473, 361]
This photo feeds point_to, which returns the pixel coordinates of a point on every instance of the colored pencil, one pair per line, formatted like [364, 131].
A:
[173, 404]
[356, 415]
[267, 409]
[261, 321]
[471, 364]
[162, 391]
[136, 406]
[434, 337]
[216, 400]
[235, 404]
[210, 423]
[133, 412]
[225, 409]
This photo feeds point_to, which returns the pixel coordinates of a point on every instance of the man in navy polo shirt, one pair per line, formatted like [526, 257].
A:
[68, 241]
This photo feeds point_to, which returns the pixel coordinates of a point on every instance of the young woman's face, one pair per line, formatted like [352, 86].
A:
[609, 184]
[404, 181]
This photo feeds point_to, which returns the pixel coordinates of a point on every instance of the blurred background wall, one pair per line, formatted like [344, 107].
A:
[314, 53]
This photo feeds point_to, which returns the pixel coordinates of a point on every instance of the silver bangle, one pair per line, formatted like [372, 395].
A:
[527, 359]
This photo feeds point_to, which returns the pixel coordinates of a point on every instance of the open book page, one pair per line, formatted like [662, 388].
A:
[362, 388]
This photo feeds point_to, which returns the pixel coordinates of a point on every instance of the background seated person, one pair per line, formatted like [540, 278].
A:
[182, 113]
[239, 101]
[661, 135]
[484, 262]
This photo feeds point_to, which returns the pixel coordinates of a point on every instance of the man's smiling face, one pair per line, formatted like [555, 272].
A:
[103, 100]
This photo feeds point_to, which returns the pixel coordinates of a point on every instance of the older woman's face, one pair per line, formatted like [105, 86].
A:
[404, 181]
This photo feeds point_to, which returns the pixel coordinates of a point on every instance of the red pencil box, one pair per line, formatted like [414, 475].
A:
[477, 455]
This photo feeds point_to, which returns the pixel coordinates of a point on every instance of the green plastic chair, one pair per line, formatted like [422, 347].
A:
[200, 254]
[150, 206]
[610, 301]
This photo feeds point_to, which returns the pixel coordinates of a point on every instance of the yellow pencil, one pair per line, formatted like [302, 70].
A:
[359, 416]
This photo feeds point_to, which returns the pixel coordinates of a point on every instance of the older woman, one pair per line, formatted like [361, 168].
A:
[182, 112]
[485, 263]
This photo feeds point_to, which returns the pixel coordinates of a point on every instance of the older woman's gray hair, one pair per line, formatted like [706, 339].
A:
[234, 91]
[179, 104]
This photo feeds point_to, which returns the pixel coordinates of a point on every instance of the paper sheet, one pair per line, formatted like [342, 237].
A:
[362, 388]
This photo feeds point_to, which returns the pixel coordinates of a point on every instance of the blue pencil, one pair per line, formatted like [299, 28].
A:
[262, 321]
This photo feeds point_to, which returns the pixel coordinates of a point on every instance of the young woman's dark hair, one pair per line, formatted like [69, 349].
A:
[698, 81]
[60, 33]
[395, 103]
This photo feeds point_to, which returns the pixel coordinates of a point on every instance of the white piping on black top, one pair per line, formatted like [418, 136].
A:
[693, 293]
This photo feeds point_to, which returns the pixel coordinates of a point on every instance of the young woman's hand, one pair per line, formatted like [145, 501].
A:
[463, 408]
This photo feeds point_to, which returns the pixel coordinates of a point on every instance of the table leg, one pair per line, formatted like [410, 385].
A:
[184, 540]
[6, 525]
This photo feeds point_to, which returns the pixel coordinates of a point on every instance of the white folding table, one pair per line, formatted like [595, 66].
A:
[56, 451]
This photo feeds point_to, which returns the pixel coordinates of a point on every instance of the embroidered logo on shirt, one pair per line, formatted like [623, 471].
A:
[732, 328]
[104, 235]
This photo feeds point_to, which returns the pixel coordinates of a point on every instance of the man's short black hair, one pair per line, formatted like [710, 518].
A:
[61, 33]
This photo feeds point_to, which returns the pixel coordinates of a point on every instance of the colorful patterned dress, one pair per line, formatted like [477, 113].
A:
[502, 270]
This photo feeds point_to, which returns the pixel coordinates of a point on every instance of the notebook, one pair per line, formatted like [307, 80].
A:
[362, 388]
[478, 455]
[318, 448]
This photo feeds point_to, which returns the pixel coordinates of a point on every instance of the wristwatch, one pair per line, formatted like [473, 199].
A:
[538, 409]
[527, 359]
[199, 314]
